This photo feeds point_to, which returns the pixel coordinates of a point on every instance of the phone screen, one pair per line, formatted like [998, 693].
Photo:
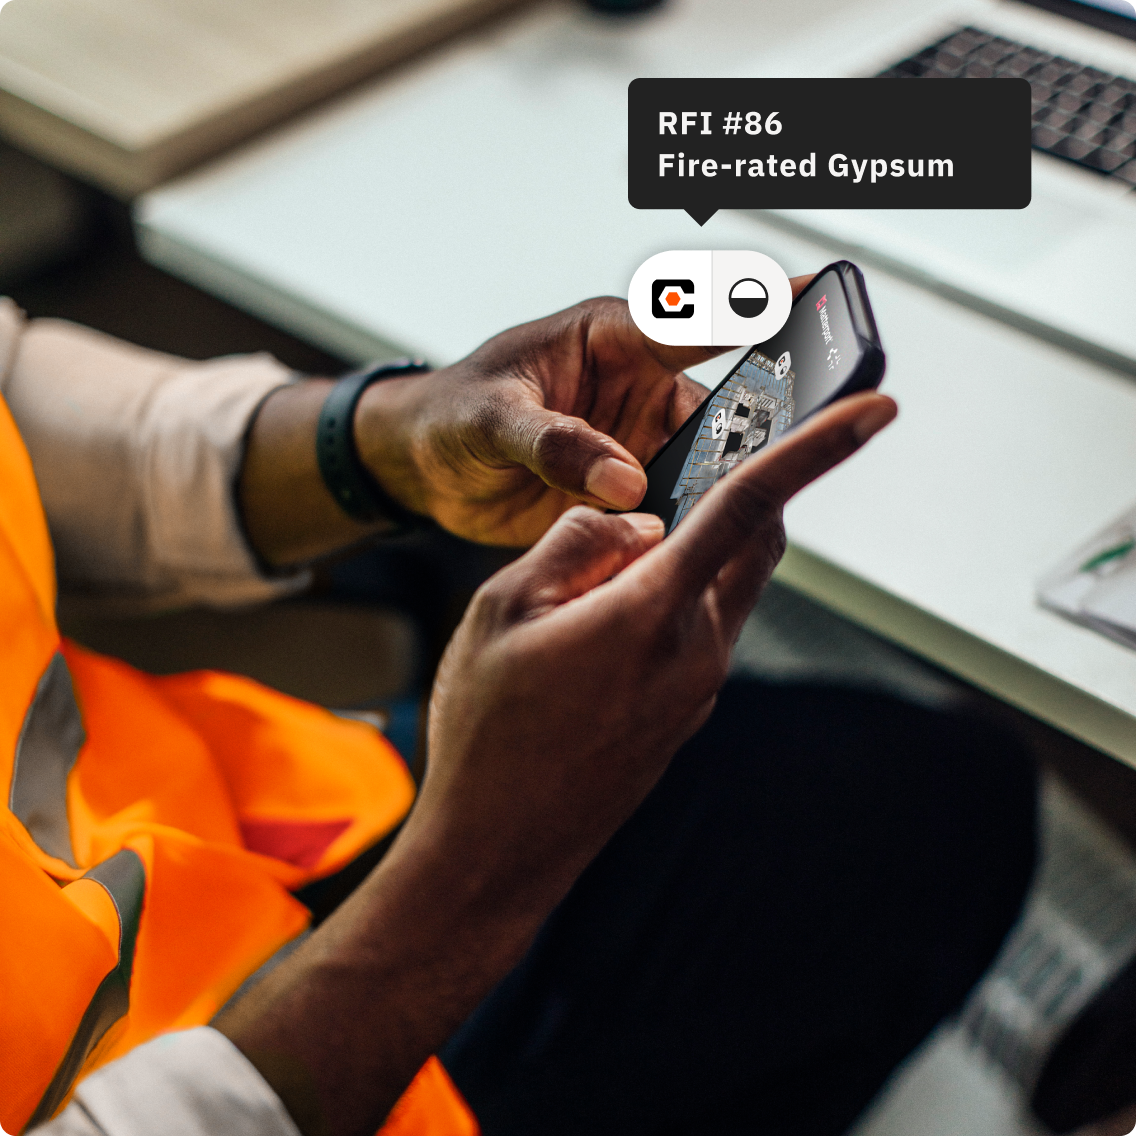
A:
[777, 384]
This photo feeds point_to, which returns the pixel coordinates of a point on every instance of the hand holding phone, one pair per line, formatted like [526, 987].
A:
[828, 348]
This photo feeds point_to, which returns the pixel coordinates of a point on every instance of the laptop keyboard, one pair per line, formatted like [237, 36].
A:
[1081, 114]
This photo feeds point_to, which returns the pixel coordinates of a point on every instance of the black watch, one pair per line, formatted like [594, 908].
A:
[348, 480]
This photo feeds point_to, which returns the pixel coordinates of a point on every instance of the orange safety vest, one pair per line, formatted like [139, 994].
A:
[152, 832]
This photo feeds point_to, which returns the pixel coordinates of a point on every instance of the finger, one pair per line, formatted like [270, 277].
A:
[744, 576]
[609, 323]
[743, 505]
[687, 398]
[568, 454]
[800, 283]
[675, 359]
[581, 550]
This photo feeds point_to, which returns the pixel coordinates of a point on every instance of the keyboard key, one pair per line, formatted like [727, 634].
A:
[960, 45]
[1051, 72]
[1101, 112]
[1075, 148]
[1112, 94]
[969, 38]
[1015, 67]
[993, 53]
[947, 68]
[1079, 113]
[1126, 173]
[1069, 102]
[1105, 160]
[1081, 85]
[1124, 145]
[913, 67]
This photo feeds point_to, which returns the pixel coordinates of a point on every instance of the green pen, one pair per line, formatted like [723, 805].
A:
[1109, 554]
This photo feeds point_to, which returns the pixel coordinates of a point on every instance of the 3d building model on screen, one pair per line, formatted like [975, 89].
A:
[754, 406]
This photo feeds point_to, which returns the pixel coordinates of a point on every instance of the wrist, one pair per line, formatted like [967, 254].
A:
[352, 485]
[340, 1029]
[500, 875]
[288, 515]
[385, 435]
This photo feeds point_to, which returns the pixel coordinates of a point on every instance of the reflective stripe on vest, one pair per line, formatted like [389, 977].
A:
[151, 834]
[124, 880]
[48, 745]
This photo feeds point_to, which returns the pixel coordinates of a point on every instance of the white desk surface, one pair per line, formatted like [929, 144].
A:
[486, 186]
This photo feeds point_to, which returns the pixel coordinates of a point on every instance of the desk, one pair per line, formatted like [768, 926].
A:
[486, 186]
[126, 93]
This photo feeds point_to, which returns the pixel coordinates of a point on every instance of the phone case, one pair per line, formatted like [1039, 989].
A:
[763, 397]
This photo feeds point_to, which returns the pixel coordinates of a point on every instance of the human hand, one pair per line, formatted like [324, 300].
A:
[580, 669]
[564, 410]
[574, 677]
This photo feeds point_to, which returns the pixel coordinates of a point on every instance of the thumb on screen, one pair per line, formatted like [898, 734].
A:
[581, 550]
[569, 455]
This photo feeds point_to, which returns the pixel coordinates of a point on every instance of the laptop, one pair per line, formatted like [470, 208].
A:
[1065, 267]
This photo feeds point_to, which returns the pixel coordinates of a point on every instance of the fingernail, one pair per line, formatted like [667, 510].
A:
[647, 525]
[619, 484]
[872, 421]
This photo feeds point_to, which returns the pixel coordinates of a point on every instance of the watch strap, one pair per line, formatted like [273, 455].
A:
[348, 480]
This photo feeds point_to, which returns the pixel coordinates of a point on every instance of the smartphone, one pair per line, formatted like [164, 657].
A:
[828, 348]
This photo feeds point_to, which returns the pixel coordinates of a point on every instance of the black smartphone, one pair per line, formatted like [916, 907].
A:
[828, 348]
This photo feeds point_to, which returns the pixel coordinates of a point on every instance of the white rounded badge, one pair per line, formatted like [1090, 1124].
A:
[709, 298]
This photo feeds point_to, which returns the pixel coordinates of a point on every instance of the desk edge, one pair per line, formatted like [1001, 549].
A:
[985, 666]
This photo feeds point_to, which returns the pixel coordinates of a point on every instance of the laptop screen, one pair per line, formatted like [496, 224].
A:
[1117, 16]
[1124, 7]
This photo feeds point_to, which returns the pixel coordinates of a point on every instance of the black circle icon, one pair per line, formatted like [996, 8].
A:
[748, 298]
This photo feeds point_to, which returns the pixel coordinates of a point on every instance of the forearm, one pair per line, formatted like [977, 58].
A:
[135, 455]
[340, 1030]
[576, 673]
[494, 448]
[289, 514]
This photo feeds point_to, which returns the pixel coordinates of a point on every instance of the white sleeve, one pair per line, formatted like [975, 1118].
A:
[136, 454]
[194, 1083]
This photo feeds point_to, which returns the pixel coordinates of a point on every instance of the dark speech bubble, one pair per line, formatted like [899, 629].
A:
[709, 144]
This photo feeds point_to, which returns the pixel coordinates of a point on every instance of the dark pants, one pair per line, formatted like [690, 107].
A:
[818, 879]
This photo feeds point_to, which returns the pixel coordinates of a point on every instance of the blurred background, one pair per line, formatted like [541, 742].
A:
[172, 172]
